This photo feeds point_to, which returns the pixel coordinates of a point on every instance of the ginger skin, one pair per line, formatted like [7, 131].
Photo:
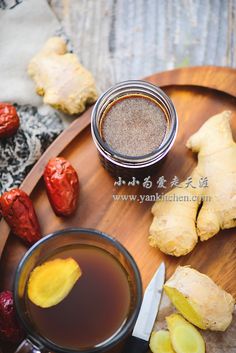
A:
[174, 229]
[200, 300]
[216, 159]
[61, 79]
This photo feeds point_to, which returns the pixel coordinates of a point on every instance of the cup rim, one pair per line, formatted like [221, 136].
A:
[109, 343]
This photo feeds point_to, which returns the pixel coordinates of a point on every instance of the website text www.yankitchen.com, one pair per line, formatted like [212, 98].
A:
[140, 198]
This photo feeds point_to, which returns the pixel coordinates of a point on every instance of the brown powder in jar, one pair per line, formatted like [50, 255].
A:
[133, 125]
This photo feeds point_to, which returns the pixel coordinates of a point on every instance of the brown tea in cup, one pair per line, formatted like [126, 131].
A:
[101, 306]
[96, 307]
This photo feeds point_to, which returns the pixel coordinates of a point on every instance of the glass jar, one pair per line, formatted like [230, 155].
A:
[125, 166]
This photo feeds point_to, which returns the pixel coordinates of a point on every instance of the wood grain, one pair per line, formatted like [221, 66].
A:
[126, 220]
[221, 79]
[129, 39]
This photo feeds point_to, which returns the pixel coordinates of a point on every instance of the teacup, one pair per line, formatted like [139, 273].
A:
[102, 307]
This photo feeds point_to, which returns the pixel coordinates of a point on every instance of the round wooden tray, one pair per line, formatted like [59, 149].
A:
[197, 94]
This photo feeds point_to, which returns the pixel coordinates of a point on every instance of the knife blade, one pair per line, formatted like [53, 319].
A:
[139, 340]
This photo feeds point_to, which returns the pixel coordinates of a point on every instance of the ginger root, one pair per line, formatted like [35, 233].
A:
[174, 229]
[61, 79]
[200, 300]
[185, 338]
[160, 342]
[52, 281]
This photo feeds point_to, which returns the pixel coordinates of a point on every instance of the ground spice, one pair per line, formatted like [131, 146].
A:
[133, 125]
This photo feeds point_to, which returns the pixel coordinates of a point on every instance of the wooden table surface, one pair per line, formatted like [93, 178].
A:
[130, 39]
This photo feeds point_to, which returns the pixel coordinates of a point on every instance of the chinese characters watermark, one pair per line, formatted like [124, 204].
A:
[162, 183]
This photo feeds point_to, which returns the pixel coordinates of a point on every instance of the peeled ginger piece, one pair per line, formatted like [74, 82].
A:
[185, 338]
[52, 281]
[160, 342]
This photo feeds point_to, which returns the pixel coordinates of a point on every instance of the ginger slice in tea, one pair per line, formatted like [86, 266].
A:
[52, 281]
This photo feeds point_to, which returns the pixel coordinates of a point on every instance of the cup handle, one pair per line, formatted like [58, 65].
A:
[27, 346]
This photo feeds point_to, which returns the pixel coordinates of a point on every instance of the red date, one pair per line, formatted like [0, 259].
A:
[18, 211]
[10, 329]
[62, 186]
[9, 120]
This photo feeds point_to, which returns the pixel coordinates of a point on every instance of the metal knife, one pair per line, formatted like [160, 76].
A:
[138, 342]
